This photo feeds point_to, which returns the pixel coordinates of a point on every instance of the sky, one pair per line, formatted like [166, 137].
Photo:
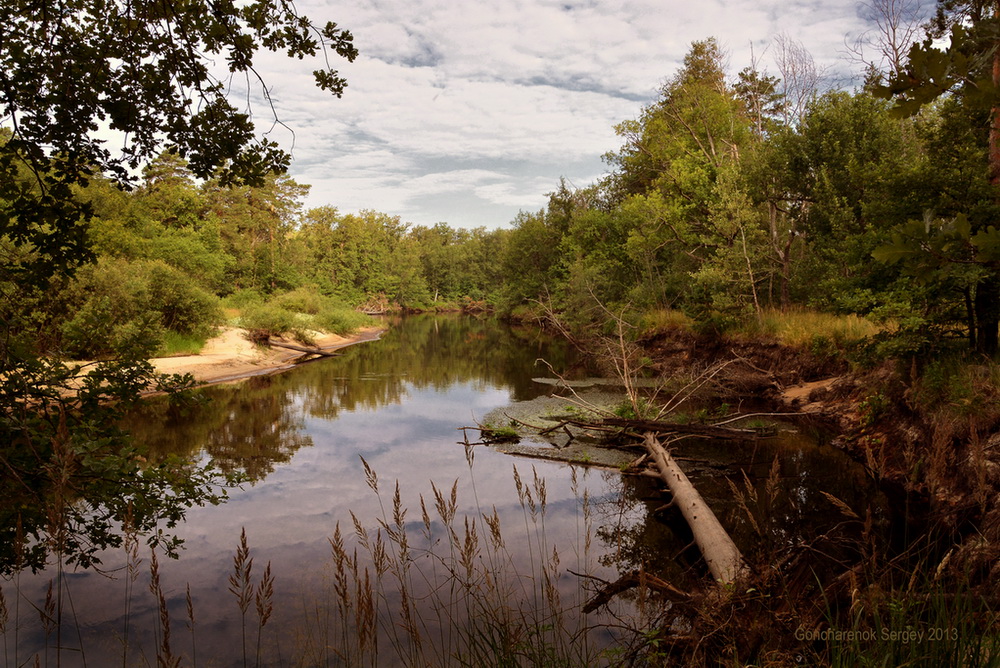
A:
[468, 113]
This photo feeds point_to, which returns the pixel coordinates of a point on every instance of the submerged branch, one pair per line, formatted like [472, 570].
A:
[663, 427]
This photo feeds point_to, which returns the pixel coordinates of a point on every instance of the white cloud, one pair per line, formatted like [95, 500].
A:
[468, 112]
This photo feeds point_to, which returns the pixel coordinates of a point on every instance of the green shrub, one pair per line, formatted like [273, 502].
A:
[298, 313]
[340, 320]
[639, 409]
[113, 313]
[120, 305]
[266, 320]
[244, 298]
[184, 307]
[305, 299]
[715, 324]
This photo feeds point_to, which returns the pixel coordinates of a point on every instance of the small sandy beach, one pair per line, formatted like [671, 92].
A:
[231, 356]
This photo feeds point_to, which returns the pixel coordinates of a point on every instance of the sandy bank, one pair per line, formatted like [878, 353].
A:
[231, 356]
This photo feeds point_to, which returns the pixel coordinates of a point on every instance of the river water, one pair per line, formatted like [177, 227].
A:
[313, 441]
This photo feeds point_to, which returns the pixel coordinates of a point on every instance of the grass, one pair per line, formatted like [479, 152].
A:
[804, 328]
[501, 434]
[662, 320]
[453, 588]
[920, 622]
[798, 327]
[175, 345]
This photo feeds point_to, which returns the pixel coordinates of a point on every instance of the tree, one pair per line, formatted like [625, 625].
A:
[141, 68]
[800, 78]
[855, 162]
[763, 104]
[897, 26]
[969, 70]
[255, 224]
[667, 180]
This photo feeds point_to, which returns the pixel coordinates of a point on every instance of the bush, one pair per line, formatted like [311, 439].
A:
[305, 299]
[113, 313]
[263, 321]
[244, 298]
[124, 306]
[184, 307]
[318, 312]
[340, 320]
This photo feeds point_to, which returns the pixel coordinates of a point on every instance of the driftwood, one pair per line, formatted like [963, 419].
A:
[630, 581]
[720, 552]
[660, 427]
[301, 349]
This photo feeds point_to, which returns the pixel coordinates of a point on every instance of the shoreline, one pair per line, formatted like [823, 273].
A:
[231, 357]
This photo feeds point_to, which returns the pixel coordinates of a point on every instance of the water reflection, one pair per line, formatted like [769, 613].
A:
[300, 437]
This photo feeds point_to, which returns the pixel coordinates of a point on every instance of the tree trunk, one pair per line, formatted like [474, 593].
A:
[970, 318]
[301, 349]
[987, 305]
[720, 552]
[987, 300]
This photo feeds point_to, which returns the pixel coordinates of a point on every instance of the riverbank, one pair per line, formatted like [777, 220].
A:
[231, 356]
[914, 543]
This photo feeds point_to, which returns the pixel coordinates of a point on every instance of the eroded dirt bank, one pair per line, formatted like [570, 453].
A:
[939, 465]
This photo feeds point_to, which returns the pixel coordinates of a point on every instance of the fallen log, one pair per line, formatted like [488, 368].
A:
[660, 427]
[301, 349]
[724, 560]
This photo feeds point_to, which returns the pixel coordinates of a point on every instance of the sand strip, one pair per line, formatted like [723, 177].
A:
[231, 356]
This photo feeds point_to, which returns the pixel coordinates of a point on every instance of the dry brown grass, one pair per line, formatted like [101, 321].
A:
[459, 595]
[802, 327]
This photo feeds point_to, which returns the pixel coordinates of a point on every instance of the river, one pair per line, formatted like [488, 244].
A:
[312, 443]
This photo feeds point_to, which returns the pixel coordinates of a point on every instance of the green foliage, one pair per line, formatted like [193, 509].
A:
[340, 320]
[180, 344]
[530, 267]
[72, 478]
[112, 315]
[148, 71]
[183, 306]
[265, 320]
[122, 305]
[141, 68]
[872, 408]
[241, 299]
[296, 312]
[255, 224]
[305, 299]
[965, 73]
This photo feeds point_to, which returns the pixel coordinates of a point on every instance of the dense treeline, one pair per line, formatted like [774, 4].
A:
[721, 203]
[172, 253]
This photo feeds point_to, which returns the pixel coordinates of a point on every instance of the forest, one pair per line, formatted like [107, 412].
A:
[737, 202]
[726, 200]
